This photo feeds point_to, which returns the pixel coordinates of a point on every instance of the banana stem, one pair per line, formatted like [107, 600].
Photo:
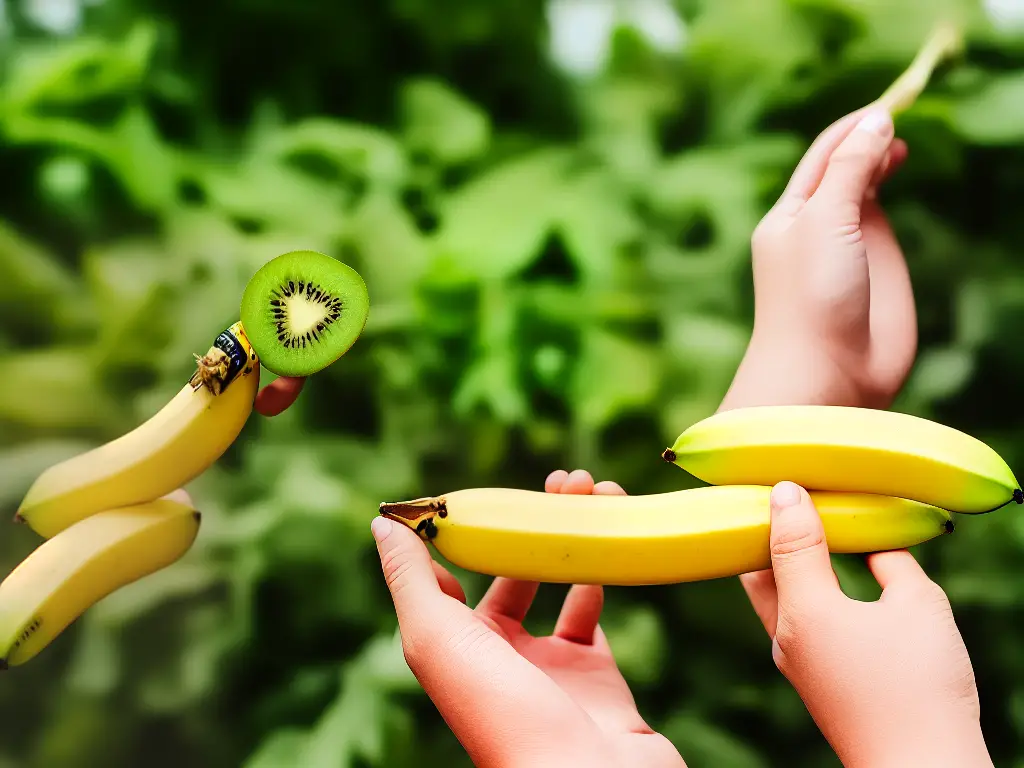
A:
[417, 514]
[945, 41]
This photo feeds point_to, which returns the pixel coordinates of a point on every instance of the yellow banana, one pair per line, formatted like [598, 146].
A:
[688, 535]
[834, 448]
[84, 563]
[173, 447]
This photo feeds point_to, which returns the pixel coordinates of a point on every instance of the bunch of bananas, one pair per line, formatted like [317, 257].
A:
[880, 480]
[117, 513]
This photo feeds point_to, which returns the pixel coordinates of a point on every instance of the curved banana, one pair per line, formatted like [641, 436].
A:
[688, 535]
[84, 563]
[172, 448]
[835, 448]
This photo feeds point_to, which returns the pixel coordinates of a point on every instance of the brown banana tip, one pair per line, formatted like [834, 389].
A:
[198, 516]
[668, 455]
[1018, 496]
[18, 518]
[950, 526]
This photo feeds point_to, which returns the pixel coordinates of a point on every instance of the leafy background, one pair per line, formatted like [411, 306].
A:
[552, 205]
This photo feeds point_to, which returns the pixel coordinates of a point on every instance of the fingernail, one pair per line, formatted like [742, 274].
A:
[380, 528]
[785, 494]
[876, 121]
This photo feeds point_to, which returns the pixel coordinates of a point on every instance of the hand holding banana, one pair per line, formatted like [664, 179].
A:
[881, 480]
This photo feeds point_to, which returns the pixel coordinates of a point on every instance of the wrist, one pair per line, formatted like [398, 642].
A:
[777, 373]
[957, 747]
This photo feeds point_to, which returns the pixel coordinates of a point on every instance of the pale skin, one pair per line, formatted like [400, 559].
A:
[889, 683]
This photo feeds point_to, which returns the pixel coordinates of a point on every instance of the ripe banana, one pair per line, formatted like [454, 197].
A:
[834, 448]
[688, 535]
[84, 563]
[176, 445]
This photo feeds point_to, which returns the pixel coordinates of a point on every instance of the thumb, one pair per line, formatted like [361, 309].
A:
[855, 163]
[408, 569]
[800, 560]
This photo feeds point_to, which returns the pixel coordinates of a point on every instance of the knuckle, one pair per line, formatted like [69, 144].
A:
[766, 234]
[928, 591]
[465, 639]
[396, 565]
[793, 539]
[787, 644]
[414, 651]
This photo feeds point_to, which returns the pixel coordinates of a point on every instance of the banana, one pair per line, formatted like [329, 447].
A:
[84, 563]
[174, 446]
[836, 448]
[680, 536]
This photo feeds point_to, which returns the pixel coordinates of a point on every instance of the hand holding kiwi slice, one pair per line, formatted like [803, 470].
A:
[302, 311]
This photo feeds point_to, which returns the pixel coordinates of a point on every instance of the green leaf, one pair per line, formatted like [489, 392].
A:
[940, 373]
[79, 70]
[597, 223]
[614, 374]
[442, 124]
[54, 389]
[496, 223]
[703, 744]
[360, 149]
[637, 638]
[994, 115]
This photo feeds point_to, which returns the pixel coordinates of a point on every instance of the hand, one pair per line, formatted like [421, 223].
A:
[513, 699]
[889, 683]
[278, 395]
[835, 321]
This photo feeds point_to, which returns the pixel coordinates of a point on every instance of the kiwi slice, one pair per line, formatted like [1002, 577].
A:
[302, 311]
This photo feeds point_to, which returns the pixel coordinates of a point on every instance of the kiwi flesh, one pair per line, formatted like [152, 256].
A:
[302, 311]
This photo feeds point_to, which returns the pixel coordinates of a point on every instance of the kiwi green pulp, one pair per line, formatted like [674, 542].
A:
[302, 311]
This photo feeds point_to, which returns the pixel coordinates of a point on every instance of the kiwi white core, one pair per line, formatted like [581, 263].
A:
[302, 312]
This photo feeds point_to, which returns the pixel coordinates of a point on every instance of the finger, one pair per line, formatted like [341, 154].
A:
[896, 568]
[854, 163]
[408, 570]
[555, 481]
[490, 696]
[181, 496]
[893, 316]
[898, 153]
[608, 488]
[579, 481]
[811, 168]
[278, 395]
[891, 163]
[508, 598]
[580, 613]
[800, 561]
[764, 597]
[601, 641]
[448, 583]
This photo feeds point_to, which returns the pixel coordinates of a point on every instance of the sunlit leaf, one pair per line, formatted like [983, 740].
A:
[993, 115]
[614, 374]
[495, 223]
[441, 123]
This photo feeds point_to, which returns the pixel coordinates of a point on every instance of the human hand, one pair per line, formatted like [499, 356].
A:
[513, 699]
[278, 395]
[889, 683]
[835, 321]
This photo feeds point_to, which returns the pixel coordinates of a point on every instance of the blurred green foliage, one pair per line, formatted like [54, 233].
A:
[559, 270]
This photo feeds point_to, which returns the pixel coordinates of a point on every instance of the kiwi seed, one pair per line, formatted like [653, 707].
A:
[302, 311]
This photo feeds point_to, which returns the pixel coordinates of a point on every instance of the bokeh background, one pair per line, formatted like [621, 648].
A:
[551, 202]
